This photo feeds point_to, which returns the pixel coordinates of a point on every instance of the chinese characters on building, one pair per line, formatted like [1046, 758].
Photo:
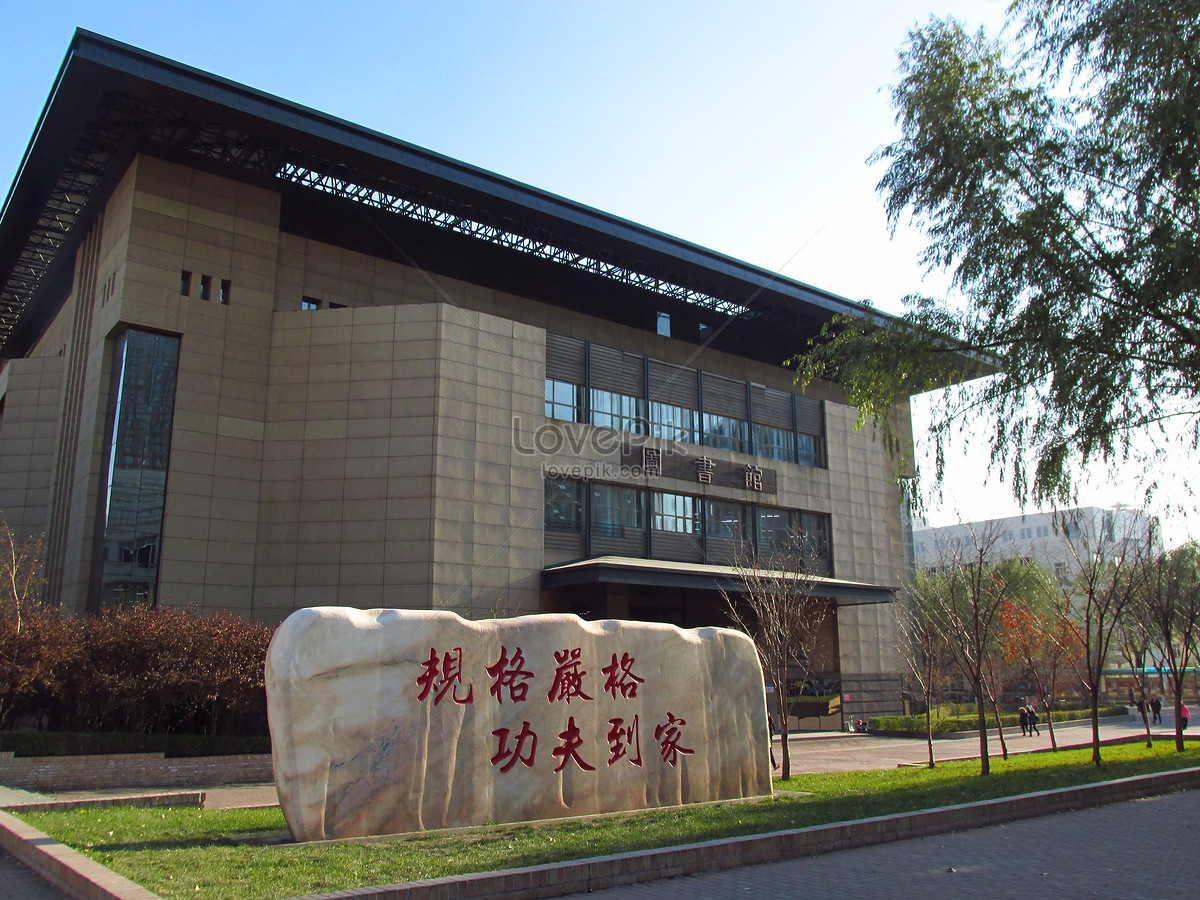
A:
[569, 677]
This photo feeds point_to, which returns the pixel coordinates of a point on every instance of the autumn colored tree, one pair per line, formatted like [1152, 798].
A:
[1034, 633]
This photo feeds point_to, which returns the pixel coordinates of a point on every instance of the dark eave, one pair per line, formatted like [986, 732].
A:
[695, 576]
[111, 101]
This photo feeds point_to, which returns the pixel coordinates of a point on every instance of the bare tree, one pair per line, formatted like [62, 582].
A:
[1167, 608]
[921, 647]
[21, 578]
[1102, 592]
[963, 600]
[775, 605]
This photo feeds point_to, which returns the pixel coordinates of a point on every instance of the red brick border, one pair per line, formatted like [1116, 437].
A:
[51, 774]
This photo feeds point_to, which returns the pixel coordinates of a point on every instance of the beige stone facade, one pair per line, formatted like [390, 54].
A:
[341, 425]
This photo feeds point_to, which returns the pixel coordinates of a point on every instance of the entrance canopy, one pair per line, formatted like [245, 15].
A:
[662, 573]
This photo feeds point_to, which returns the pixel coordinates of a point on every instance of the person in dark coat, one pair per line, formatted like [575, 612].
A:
[1156, 709]
[1033, 721]
[1023, 712]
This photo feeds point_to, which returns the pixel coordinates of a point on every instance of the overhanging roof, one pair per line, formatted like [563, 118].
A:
[660, 573]
[340, 182]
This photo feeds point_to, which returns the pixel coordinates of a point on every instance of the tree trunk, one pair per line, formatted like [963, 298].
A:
[1179, 714]
[985, 762]
[1094, 694]
[785, 760]
[1000, 729]
[929, 729]
[1050, 725]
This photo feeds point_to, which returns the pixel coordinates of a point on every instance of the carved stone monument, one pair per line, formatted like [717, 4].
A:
[388, 720]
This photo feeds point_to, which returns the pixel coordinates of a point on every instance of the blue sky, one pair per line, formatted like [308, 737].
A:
[742, 127]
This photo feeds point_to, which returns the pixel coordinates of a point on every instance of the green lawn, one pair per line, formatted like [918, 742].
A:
[192, 853]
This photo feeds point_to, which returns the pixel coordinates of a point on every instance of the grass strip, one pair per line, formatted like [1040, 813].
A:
[194, 853]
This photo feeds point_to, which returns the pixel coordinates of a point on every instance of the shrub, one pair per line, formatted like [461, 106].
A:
[135, 669]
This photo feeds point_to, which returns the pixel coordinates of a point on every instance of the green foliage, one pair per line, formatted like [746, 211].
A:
[1058, 177]
[174, 852]
[135, 669]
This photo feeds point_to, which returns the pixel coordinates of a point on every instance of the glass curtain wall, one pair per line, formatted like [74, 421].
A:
[145, 369]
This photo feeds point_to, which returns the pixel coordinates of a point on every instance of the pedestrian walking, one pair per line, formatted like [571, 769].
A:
[1033, 722]
[1183, 716]
[1023, 715]
[1156, 708]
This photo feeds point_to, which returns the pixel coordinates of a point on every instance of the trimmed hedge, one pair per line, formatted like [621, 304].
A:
[59, 743]
[136, 669]
[916, 724]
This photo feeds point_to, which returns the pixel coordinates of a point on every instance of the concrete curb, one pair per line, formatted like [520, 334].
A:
[68, 870]
[84, 879]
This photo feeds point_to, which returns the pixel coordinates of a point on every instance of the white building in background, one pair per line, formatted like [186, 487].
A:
[1044, 538]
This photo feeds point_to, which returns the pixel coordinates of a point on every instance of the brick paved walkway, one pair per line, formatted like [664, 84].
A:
[1148, 848]
[18, 882]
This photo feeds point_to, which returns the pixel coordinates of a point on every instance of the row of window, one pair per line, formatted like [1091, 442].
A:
[600, 511]
[310, 303]
[630, 393]
[205, 292]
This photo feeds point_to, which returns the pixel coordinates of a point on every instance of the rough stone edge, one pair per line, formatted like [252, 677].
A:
[598, 873]
[68, 870]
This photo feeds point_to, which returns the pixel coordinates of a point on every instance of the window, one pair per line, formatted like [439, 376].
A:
[775, 528]
[675, 513]
[621, 412]
[185, 283]
[614, 508]
[808, 450]
[205, 287]
[226, 290]
[1060, 571]
[563, 512]
[725, 433]
[1043, 531]
[1026, 533]
[817, 529]
[728, 521]
[673, 423]
[562, 400]
[310, 303]
[664, 324]
[775, 443]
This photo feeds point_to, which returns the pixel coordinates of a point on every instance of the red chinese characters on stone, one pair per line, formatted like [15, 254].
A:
[668, 735]
[569, 748]
[624, 742]
[443, 674]
[621, 678]
[509, 675]
[568, 676]
[517, 753]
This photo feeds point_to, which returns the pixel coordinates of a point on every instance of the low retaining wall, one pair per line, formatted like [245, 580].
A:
[48, 774]
[556, 880]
